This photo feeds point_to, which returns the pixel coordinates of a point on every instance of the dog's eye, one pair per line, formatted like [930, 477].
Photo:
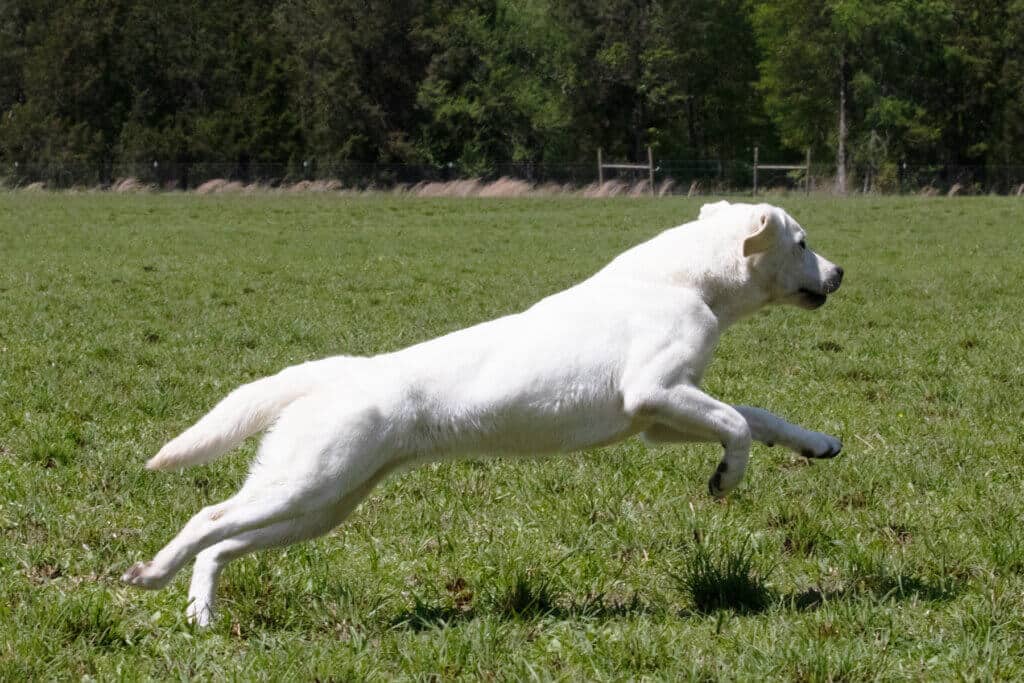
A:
[803, 244]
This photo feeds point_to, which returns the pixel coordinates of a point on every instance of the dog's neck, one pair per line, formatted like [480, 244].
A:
[713, 268]
[732, 303]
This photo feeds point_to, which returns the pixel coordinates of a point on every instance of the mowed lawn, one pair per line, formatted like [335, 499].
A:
[125, 318]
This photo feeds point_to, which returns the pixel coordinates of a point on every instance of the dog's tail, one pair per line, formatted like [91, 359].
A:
[249, 409]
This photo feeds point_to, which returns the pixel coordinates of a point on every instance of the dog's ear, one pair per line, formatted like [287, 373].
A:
[763, 231]
[711, 209]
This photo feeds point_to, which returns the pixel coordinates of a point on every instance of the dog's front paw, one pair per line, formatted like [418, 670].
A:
[144, 575]
[822, 446]
[723, 480]
[715, 485]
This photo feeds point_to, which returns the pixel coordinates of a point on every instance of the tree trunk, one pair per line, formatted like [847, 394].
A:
[691, 126]
[843, 132]
[639, 132]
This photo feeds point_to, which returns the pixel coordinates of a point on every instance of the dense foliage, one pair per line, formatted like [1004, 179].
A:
[867, 83]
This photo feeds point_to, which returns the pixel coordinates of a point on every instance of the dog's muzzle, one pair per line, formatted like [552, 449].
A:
[812, 299]
[832, 284]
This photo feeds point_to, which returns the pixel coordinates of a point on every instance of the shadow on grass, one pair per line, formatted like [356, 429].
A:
[520, 596]
[423, 616]
[94, 622]
[716, 579]
[725, 579]
[881, 587]
[729, 578]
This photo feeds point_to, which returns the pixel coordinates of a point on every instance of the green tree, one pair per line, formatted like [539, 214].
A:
[675, 74]
[932, 81]
[492, 89]
[700, 70]
[68, 100]
[208, 82]
[355, 68]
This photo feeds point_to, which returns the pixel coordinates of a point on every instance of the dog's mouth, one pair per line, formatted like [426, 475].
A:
[811, 300]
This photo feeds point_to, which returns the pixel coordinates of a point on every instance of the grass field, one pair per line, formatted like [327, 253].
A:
[124, 318]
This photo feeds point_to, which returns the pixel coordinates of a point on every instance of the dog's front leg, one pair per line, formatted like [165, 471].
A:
[688, 413]
[765, 427]
[771, 429]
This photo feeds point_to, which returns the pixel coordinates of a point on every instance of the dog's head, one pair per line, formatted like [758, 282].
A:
[774, 248]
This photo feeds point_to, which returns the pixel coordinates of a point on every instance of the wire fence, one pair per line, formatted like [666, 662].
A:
[672, 176]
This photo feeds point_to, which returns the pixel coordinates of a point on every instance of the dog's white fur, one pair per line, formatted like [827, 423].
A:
[619, 354]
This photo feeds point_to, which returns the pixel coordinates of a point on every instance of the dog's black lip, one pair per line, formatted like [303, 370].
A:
[815, 299]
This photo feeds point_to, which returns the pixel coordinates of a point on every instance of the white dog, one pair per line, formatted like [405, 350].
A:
[619, 354]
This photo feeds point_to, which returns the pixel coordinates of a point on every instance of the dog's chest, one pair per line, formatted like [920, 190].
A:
[572, 417]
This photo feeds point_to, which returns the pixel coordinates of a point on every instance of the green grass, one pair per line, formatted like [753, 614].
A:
[124, 318]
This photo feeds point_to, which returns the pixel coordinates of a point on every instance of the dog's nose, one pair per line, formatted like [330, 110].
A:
[832, 284]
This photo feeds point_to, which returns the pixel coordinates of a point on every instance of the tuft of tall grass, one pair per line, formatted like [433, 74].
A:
[725, 577]
[521, 594]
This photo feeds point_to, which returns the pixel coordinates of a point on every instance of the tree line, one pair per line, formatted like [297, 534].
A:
[865, 84]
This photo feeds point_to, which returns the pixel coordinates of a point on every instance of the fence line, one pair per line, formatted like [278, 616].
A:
[683, 176]
[806, 168]
[649, 167]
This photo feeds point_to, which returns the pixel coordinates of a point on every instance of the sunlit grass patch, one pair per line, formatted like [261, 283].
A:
[123, 318]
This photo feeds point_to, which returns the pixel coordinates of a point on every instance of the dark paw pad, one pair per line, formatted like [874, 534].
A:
[831, 452]
[715, 485]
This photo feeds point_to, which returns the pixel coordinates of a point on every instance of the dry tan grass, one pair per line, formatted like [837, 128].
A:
[640, 189]
[554, 189]
[327, 186]
[610, 188]
[211, 186]
[222, 186]
[315, 186]
[506, 187]
[130, 184]
[454, 188]
[512, 187]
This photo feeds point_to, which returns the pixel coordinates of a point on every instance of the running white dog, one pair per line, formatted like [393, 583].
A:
[619, 354]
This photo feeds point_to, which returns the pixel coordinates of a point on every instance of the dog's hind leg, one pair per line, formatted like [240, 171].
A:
[243, 512]
[211, 562]
[313, 460]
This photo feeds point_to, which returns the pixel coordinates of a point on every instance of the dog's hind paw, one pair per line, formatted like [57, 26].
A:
[143, 575]
[200, 614]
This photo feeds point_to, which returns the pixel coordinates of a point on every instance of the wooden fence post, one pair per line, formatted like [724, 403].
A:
[755, 171]
[808, 179]
[650, 166]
